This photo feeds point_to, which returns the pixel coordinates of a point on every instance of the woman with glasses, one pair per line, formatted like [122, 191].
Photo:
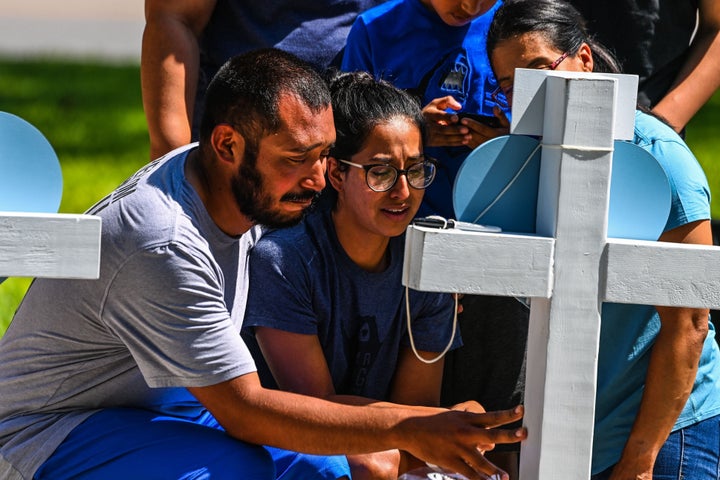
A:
[658, 395]
[325, 298]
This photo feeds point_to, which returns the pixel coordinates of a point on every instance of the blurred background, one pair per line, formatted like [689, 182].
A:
[72, 69]
[102, 30]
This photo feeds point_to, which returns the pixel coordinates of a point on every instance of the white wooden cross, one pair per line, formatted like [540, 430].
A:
[570, 267]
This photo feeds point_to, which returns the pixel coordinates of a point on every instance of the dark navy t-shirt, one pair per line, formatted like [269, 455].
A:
[314, 30]
[649, 38]
[302, 281]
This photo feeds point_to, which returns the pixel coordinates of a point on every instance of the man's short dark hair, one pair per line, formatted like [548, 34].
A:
[246, 90]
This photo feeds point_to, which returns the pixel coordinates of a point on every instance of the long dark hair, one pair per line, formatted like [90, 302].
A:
[557, 21]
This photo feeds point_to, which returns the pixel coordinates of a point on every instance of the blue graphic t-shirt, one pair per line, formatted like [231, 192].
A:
[409, 45]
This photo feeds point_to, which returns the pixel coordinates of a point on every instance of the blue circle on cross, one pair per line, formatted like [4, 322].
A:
[497, 184]
[30, 174]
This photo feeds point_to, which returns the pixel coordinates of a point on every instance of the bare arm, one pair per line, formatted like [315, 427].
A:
[298, 364]
[416, 383]
[249, 412]
[671, 372]
[169, 68]
[700, 76]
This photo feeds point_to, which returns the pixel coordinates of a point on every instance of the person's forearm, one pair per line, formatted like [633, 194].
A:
[169, 73]
[312, 425]
[696, 82]
[669, 381]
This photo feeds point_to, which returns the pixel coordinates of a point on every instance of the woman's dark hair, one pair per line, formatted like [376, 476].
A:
[360, 102]
[246, 90]
[557, 21]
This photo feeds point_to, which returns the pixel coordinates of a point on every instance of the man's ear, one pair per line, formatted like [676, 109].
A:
[227, 143]
[335, 175]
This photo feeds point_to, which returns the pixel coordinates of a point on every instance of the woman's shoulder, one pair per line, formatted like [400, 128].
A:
[303, 239]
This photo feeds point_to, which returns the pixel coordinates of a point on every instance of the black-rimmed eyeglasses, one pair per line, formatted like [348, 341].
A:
[381, 177]
[503, 96]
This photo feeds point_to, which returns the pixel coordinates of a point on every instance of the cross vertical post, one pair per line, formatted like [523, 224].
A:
[564, 329]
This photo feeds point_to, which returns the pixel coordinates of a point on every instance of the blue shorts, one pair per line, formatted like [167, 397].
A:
[121, 443]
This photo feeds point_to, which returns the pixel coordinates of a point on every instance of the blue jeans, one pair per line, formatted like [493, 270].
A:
[122, 443]
[691, 453]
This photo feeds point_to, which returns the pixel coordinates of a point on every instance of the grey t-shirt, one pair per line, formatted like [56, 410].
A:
[165, 314]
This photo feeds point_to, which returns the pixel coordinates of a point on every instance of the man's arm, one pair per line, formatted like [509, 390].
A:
[700, 76]
[671, 372]
[416, 383]
[298, 365]
[169, 69]
[286, 420]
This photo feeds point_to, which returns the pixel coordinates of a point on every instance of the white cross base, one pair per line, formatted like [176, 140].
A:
[49, 245]
[570, 267]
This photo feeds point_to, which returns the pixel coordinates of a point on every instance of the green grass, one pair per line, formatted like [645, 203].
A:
[92, 115]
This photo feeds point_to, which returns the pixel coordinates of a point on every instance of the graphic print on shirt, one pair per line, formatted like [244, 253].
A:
[367, 345]
[453, 75]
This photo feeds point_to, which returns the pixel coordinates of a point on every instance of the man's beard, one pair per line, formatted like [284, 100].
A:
[257, 205]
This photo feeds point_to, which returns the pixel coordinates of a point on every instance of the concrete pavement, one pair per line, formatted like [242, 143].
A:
[108, 30]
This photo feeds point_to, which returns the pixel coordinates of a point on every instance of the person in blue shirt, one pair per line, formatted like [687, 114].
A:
[658, 391]
[435, 49]
[326, 299]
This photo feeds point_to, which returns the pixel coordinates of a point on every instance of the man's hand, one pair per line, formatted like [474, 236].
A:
[454, 439]
[474, 407]
[451, 439]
